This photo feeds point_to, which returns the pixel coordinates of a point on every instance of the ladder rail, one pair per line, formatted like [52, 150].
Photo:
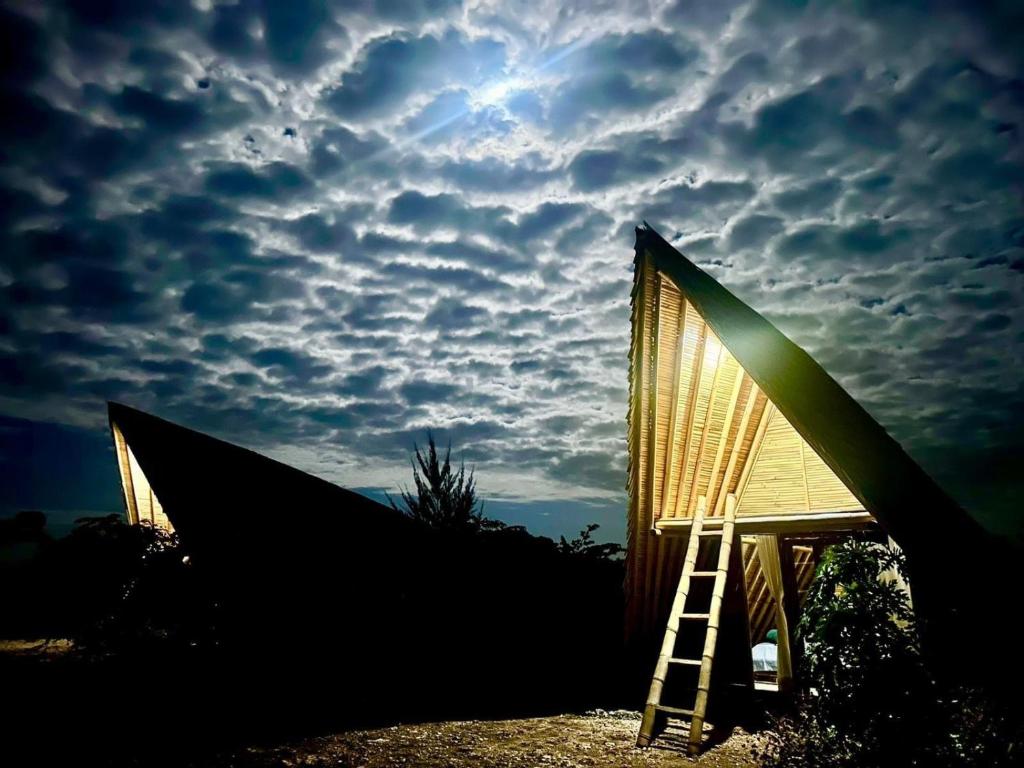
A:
[668, 643]
[711, 638]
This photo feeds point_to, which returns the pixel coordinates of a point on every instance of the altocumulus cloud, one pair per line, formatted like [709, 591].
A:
[320, 228]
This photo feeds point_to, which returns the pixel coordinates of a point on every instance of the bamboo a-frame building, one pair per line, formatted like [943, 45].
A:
[319, 583]
[735, 434]
[179, 479]
[296, 560]
[267, 534]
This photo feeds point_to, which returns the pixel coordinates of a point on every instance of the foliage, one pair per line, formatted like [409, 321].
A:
[871, 699]
[444, 498]
[862, 651]
[585, 546]
[113, 588]
[145, 591]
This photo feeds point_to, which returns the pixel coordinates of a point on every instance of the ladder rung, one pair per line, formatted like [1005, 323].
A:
[674, 710]
[710, 533]
[704, 573]
[704, 616]
[688, 662]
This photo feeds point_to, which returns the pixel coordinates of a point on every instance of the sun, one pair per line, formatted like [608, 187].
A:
[497, 92]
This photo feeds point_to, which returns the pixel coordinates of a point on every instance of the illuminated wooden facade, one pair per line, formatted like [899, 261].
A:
[724, 409]
[140, 501]
[701, 427]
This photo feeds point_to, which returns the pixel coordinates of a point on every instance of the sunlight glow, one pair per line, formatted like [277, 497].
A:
[495, 93]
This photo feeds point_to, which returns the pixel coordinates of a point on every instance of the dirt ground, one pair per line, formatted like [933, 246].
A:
[566, 741]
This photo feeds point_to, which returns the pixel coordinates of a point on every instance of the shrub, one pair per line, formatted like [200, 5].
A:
[871, 699]
[116, 588]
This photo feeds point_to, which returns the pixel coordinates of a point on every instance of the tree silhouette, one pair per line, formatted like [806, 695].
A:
[444, 498]
[585, 546]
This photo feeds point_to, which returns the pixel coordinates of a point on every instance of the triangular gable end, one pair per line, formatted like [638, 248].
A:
[706, 429]
[787, 475]
[886, 481]
[141, 503]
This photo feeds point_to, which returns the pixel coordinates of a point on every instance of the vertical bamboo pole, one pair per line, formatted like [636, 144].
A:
[691, 413]
[127, 484]
[755, 448]
[702, 445]
[667, 548]
[641, 375]
[734, 453]
[647, 530]
[686, 435]
[791, 602]
[803, 471]
[740, 575]
[723, 438]
[671, 466]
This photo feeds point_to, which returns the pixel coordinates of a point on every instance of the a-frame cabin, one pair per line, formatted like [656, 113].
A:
[738, 438]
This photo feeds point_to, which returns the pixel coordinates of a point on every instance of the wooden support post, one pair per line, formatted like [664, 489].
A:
[791, 602]
[739, 646]
[740, 572]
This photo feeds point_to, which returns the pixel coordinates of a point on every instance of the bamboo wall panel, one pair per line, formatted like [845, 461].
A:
[787, 476]
[124, 469]
[698, 425]
[669, 309]
[686, 499]
[776, 483]
[691, 345]
[727, 443]
[147, 506]
[827, 491]
[637, 434]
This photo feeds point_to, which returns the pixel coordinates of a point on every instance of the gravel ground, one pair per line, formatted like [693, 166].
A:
[566, 741]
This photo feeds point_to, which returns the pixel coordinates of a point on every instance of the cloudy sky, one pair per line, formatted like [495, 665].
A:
[320, 228]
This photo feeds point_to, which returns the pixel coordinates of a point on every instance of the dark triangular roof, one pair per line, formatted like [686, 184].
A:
[225, 499]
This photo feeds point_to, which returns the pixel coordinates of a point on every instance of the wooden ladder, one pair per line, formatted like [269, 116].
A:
[678, 614]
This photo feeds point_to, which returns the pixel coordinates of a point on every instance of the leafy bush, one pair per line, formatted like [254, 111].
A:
[144, 591]
[113, 588]
[862, 651]
[871, 699]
